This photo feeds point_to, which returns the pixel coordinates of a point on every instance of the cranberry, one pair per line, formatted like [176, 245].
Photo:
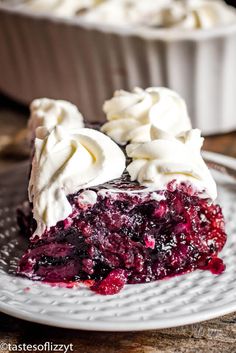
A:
[112, 284]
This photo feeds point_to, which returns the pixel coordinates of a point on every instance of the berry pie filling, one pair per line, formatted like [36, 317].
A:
[129, 237]
[93, 220]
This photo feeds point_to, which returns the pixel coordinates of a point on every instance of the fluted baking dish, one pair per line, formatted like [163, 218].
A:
[41, 55]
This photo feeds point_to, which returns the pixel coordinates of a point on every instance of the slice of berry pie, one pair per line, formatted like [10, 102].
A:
[94, 220]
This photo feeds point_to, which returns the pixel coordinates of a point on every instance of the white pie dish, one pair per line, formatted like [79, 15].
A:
[42, 55]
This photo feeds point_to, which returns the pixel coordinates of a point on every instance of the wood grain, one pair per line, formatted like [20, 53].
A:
[215, 336]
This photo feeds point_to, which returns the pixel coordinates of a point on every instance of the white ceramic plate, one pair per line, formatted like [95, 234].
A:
[178, 301]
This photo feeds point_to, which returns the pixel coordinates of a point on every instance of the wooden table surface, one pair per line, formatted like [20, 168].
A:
[216, 336]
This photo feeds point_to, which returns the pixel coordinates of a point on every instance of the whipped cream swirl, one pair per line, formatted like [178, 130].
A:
[61, 8]
[49, 113]
[64, 163]
[194, 14]
[185, 14]
[125, 12]
[130, 114]
[166, 158]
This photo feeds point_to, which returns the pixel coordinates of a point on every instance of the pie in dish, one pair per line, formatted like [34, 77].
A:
[92, 218]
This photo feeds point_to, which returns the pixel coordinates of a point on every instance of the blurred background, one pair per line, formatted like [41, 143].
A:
[41, 56]
[231, 2]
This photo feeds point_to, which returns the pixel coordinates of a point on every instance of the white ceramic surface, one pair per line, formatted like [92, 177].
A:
[85, 63]
[178, 301]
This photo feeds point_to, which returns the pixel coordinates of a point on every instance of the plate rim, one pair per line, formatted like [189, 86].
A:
[109, 326]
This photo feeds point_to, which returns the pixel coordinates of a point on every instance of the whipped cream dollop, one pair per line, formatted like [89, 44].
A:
[125, 12]
[163, 13]
[49, 113]
[194, 14]
[60, 8]
[185, 14]
[66, 162]
[130, 114]
[167, 157]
